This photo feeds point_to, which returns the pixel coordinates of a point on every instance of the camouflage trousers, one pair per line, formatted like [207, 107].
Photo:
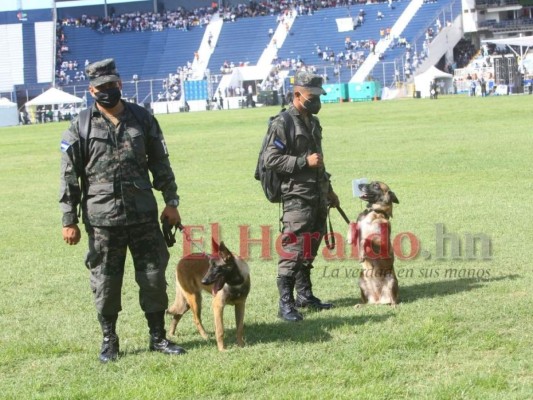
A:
[106, 258]
[304, 226]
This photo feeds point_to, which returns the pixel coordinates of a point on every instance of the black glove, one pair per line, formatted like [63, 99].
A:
[170, 237]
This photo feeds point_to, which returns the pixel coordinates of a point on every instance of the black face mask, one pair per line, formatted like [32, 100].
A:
[313, 105]
[108, 98]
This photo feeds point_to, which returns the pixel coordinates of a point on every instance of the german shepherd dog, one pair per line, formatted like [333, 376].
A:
[226, 277]
[371, 236]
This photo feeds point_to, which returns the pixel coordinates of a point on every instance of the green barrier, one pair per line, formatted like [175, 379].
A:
[335, 93]
[365, 91]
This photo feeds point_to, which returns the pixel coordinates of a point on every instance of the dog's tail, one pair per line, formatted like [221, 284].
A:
[180, 305]
[177, 309]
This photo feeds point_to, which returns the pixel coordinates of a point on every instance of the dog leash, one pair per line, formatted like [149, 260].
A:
[331, 245]
[170, 237]
[343, 214]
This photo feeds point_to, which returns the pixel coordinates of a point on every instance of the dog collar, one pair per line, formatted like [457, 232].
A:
[369, 210]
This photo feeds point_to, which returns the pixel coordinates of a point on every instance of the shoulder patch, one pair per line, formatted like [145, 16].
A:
[164, 146]
[64, 146]
[279, 144]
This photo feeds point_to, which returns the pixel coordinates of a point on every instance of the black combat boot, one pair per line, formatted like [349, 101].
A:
[158, 340]
[304, 293]
[287, 311]
[110, 344]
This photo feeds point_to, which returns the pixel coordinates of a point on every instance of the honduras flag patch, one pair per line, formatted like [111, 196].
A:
[279, 144]
[64, 146]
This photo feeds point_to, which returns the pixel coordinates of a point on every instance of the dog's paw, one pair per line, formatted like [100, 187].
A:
[204, 335]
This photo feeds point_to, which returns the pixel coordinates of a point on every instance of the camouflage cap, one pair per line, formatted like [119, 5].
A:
[309, 81]
[101, 72]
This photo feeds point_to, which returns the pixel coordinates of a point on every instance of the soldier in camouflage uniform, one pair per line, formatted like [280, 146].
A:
[306, 193]
[106, 174]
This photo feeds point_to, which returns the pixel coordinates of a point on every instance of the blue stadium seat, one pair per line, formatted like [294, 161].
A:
[149, 55]
[241, 41]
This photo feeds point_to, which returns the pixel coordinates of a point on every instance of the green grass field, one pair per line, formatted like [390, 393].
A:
[463, 329]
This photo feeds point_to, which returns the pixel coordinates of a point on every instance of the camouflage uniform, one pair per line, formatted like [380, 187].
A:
[304, 191]
[118, 207]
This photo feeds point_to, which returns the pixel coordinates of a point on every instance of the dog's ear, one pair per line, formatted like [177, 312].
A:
[214, 246]
[393, 197]
[224, 253]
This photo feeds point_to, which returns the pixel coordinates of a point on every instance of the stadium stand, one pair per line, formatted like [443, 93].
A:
[320, 29]
[155, 51]
[145, 55]
[150, 55]
[415, 35]
[241, 42]
[157, 54]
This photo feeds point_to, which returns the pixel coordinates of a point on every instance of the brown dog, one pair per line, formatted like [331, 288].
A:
[226, 277]
[371, 235]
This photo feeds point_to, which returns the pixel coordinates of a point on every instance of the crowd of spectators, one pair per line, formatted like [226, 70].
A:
[463, 53]
[136, 21]
[280, 7]
[171, 88]
[171, 85]
[273, 80]
[352, 55]
[227, 67]
[184, 19]
[67, 71]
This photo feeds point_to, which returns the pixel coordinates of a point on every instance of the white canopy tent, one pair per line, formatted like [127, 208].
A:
[52, 97]
[525, 41]
[423, 81]
[8, 113]
[522, 41]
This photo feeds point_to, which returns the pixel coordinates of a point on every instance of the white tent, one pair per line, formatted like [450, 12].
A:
[54, 96]
[526, 41]
[8, 113]
[423, 81]
[522, 41]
